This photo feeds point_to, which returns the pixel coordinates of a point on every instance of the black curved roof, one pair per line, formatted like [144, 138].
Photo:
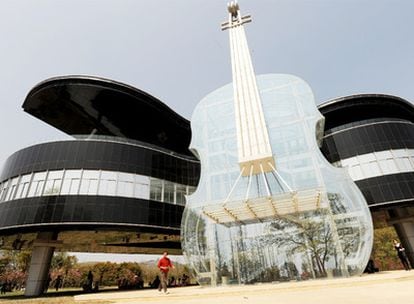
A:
[353, 108]
[80, 105]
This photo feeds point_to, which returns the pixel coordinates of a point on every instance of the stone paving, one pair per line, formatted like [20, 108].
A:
[380, 288]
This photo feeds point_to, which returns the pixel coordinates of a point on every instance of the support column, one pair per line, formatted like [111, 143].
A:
[42, 253]
[403, 221]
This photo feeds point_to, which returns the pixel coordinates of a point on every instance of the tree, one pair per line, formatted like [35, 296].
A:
[23, 258]
[13, 267]
[63, 264]
[307, 234]
[383, 252]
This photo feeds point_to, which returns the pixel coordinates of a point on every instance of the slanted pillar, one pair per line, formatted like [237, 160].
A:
[42, 253]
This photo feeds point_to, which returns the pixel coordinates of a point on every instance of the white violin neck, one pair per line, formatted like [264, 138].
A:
[254, 150]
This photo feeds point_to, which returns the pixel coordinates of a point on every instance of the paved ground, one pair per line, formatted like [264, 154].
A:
[380, 288]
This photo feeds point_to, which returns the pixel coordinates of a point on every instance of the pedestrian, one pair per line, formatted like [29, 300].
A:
[164, 264]
[401, 254]
[58, 282]
[89, 281]
[3, 287]
[156, 282]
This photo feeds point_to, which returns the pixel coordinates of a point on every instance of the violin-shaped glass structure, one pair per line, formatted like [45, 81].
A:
[269, 206]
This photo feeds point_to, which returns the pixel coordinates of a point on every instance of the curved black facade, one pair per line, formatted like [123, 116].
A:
[60, 213]
[92, 105]
[123, 177]
[93, 210]
[373, 136]
[103, 155]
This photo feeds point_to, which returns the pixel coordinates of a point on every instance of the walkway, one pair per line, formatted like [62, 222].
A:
[380, 288]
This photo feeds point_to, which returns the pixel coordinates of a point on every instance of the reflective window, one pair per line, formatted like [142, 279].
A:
[379, 163]
[89, 183]
[4, 190]
[388, 166]
[169, 192]
[53, 183]
[156, 189]
[125, 185]
[108, 183]
[93, 182]
[181, 191]
[36, 187]
[371, 169]
[13, 187]
[383, 155]
[71, 182]
[23, 186]
[142, 187]
[1, 190]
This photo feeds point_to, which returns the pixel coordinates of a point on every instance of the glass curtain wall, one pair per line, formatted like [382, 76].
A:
[305, 219]
[93, 182]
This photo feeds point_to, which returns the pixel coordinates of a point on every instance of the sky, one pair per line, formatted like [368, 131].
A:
[176, 51]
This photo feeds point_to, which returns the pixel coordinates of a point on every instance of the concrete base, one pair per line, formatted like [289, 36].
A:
[42, 254]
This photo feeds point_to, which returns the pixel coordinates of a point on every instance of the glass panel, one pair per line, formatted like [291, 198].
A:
[90, 174]
[370, 169]
[366, 158]
[108, 175]
[74, 186]
[125, 189]
[69, 174]
[32, 188]
[405, 164]
[110, 183]
[49, 189]
[383, 155]
[70, 182]
[409, 163]
[39, 188]
[399, 153]
[93, 187]
[1, 190]
[39, 176]
[89, 183]
[84, 186]
[126, 177]
[12, 191]
[180, 194]
[156, 189]
[388, 166]
[37, 184]
[107, 184]
[349, 162]
[65, 186]
[141, 179]
[53, 183]
[169, 193]
[55, 175]
[191, 190]
[23, 186]
[142, 187]
[5, 190]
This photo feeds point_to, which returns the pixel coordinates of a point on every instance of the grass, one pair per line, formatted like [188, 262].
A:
[63, 296]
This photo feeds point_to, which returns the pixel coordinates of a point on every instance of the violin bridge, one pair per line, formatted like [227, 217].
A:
[255, 166]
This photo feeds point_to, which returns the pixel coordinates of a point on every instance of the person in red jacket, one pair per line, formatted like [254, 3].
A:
[164, 264]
